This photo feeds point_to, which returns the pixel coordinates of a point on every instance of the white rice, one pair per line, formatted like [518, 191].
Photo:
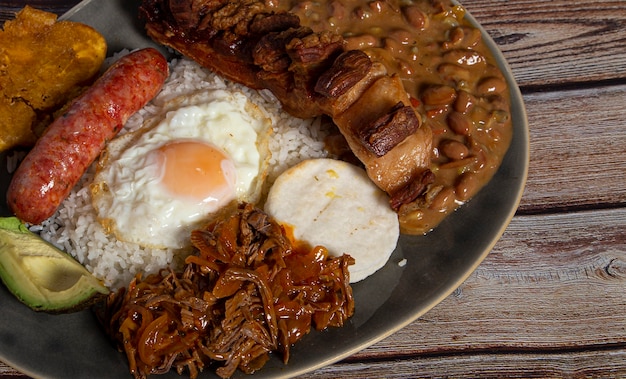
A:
[75, 229]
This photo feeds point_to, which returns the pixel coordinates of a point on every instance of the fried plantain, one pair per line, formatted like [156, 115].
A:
[44, 63]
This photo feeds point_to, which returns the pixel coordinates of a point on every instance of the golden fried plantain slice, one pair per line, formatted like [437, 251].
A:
[16, 120]
[43, 64]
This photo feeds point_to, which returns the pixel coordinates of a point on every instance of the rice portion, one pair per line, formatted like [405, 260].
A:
[75, 229]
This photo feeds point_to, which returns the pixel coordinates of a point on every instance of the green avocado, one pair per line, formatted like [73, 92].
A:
[40, 275]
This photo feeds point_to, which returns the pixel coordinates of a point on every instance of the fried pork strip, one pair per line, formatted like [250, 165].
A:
[311, 74]
[245, 293]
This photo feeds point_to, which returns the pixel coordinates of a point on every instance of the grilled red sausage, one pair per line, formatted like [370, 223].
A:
[74, 140]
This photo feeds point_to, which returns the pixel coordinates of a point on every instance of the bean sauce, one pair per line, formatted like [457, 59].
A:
[451, 77]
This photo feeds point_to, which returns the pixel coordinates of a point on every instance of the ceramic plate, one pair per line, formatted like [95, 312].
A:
[73, 345]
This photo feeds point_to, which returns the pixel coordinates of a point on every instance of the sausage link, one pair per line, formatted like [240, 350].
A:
[73, 141]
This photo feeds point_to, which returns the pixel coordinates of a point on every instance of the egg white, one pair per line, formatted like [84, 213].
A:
[127, 194]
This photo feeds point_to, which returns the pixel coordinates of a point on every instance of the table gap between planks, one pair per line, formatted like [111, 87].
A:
[549, 301]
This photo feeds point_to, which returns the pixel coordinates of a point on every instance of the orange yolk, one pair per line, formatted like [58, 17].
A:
[197, 170]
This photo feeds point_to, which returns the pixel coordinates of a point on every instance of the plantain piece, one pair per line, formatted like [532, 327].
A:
[44, 63]
[42, 276]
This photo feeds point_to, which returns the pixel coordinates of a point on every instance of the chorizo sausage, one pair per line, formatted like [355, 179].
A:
[74, 140]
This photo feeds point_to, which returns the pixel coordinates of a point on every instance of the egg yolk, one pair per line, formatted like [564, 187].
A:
[197, 170]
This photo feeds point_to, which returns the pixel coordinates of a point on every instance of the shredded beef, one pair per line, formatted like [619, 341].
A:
[246, 292]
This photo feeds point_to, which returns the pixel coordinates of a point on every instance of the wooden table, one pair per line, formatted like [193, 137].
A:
[550, 299]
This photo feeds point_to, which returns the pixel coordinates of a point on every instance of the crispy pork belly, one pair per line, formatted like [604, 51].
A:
[311, 74]
[395, 164]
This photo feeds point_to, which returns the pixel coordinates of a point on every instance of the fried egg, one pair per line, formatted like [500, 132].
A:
[205, 151]
[334, 204]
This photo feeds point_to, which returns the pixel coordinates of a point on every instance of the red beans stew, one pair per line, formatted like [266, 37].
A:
[451, 77]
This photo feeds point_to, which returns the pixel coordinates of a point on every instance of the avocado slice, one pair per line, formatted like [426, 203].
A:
[42, 276]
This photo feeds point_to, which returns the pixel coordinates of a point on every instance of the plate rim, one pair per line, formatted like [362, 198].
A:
[520, 131]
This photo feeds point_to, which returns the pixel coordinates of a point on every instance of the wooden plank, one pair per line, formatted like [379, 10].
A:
[577, 160]
[596, 364]
[561, 41]
[548, 301]
[579, 364]
[552, 282]
[7, 372]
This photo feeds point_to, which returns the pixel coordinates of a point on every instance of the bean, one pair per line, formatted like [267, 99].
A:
[455, 38]
[415, 17]
[361, 41]
[490, 85]
[451, 71]
[315, 17]
[460, 123]
[480, 157]
[472, 37]
[402, 36]
[361, 14]
[459, 165]
[393, 46]
[453, 149]
[466, 58]
[439, 95]
[301, 7]
[464, 102]
[337, 10]
[480, 115]
[377, 6]
[443, 200]
[405, 68]
[498, 102]
[467, 184]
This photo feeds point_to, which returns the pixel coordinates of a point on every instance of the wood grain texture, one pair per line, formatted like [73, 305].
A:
[577, 154]
[486, 365]
[551, 282]
[562, 42]
[549, 301]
